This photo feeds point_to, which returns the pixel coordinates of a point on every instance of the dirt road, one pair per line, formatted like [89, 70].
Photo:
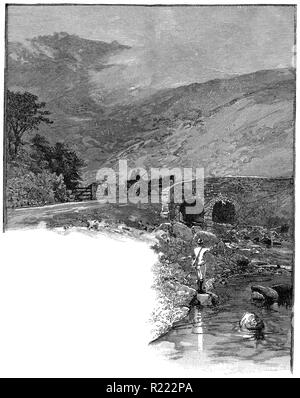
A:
[28, 216]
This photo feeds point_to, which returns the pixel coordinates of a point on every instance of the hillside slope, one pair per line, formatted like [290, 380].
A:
[245, 127]
[59, 69]
[234, 126]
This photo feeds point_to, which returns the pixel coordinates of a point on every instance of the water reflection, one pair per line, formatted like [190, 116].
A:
[198, 327]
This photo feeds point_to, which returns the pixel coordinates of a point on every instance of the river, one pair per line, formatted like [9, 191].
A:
[209, 339]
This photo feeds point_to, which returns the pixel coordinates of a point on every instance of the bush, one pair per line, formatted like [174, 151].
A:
[23, 163]
[35, 190]
[60, 190]
[58, 159]
[42, 174]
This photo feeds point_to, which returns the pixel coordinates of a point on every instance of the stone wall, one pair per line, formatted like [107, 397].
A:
[256, 201]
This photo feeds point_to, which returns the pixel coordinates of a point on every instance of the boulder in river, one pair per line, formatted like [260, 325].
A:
[214, 298]
[284, 291]
[269, 294]
[257, 296]
[251, 321]
[207, 299]
[203, 299]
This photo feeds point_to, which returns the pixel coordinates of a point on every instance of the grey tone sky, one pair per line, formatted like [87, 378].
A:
[172, 45]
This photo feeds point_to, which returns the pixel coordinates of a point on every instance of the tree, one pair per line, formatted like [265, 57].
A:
[59, 159]
[23, 114]
[66, 162]
[41, 153]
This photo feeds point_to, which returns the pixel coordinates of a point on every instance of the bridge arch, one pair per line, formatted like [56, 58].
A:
[222, 209]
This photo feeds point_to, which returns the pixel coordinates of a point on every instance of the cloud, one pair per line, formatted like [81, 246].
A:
[171, 45]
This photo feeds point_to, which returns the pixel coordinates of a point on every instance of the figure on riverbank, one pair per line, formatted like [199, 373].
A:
[200, 264]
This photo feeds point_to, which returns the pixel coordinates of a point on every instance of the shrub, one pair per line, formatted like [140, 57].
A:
[35, 189]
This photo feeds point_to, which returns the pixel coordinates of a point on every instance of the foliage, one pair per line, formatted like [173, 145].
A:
[35, 189]
[66, 162]
[23, 114]
[25, 162]
[60, 159]
[41, 173]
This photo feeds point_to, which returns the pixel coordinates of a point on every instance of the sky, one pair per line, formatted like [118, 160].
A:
[172, 45]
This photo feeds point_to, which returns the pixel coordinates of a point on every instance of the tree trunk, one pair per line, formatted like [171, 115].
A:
[17, 145]
[9, 146]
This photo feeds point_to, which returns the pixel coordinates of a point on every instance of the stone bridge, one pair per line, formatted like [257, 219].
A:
[234, 200]
[238, 200]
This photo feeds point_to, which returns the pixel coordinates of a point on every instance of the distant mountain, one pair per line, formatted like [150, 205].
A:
[237, 126]
[58, 68]
[240, 125]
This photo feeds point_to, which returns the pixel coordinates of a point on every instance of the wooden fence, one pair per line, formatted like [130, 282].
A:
[83, 193]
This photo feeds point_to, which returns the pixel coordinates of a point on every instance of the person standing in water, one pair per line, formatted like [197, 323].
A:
[200, 264]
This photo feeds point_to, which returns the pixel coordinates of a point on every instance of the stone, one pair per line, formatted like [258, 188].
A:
[242, 261]
[269, 294]
[251, 321]
[163, 235]
[164, 227]
[132, 218]
[274, 307]
[284, 228]
[31, 219]
[180, 230]
[287, 267]
[93, 224]
[209, 239]
[170, 285]
[203, 298]
[257, 296]
[221, 247]
[209, 284]
[284, 291]
[186, 291]
[164, 214]
[258, 262]
[266, 240]
[214, 298]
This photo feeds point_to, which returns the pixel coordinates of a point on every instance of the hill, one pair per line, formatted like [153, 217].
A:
[237, 126]
[240, 125]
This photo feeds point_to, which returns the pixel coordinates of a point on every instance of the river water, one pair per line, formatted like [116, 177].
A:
[209, 339]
